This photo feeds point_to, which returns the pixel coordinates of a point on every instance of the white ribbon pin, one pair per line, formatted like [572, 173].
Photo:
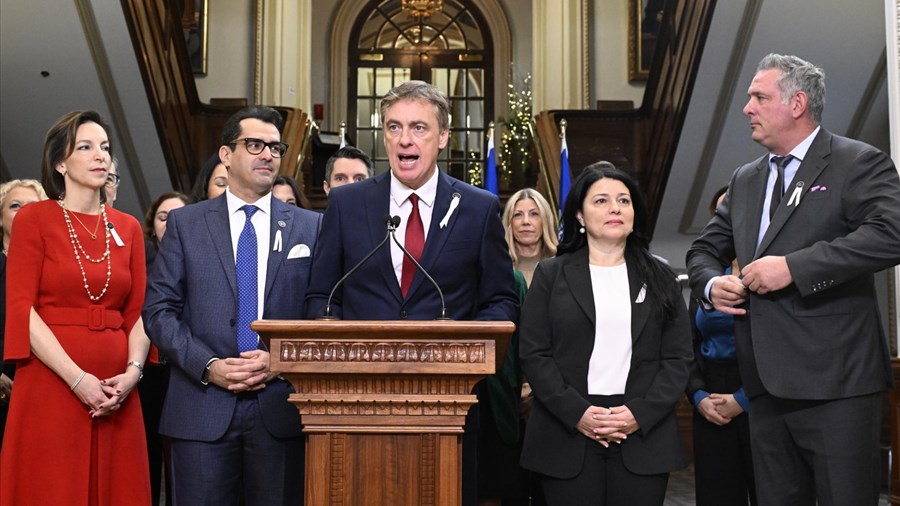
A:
[115, 235]
[454, 203]
[277, 243]
[795, 197]
[642, 295]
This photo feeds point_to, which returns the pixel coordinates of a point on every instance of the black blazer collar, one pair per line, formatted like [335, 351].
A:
[577, 272]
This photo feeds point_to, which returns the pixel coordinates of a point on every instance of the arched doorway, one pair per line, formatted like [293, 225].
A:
[449, 47]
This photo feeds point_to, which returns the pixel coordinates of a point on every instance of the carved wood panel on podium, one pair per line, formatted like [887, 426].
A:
[383, 403]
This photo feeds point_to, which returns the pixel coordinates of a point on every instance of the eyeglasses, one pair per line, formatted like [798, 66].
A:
[255, 146]
[113, 180]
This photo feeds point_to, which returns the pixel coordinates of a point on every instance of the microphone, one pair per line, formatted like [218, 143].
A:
[391, 224]
[443, 316]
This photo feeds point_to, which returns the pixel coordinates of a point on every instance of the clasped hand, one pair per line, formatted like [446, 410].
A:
[105, 396]
[247, 373]
[719, 409]
[607, 425]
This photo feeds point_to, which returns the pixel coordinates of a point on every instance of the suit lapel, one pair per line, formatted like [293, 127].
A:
[752, 211]
[578, 277]
[378, 205]
[280, 215]
[640, 311]
[220, 233]
[813, 165]
[437, 236]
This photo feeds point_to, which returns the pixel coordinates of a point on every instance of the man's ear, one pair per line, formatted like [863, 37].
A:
[225, 156]
[799, 104]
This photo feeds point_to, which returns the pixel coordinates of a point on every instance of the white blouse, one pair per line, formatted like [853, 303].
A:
[611, 357]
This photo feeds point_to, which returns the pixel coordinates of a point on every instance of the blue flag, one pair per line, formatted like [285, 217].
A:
[490, 172]
[565, 176]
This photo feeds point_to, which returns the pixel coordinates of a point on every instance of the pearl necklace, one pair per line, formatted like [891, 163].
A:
[77, 247]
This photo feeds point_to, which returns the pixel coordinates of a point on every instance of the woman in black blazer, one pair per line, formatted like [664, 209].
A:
[606, 344]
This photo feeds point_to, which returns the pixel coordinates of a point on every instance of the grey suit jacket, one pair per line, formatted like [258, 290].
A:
[821, 336]
[556, 339]
[191, 309]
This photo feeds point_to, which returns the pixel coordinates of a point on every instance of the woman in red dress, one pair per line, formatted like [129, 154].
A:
[76, 277]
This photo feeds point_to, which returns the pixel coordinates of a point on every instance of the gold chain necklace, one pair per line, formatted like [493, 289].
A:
[92, 234]
[76, 247]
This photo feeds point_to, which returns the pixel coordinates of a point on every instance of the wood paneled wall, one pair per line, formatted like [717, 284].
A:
[190, 131]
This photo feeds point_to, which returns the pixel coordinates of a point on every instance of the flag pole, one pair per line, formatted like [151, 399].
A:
[343, 134]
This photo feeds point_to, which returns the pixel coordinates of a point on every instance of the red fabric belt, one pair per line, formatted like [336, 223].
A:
[94, 317]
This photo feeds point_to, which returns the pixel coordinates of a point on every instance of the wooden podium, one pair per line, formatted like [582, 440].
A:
[383, 403]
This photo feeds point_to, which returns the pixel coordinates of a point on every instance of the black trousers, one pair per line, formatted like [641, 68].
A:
[604, 480]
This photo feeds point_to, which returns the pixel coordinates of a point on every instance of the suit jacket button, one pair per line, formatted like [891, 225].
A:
[232, 322]
[403, 314]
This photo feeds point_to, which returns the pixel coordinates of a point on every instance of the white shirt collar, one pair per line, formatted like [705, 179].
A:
[427, 192]
[235, 204]
[800, 150]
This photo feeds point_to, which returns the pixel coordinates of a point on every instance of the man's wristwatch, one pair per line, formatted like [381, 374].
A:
[139, 366]
[204, 378]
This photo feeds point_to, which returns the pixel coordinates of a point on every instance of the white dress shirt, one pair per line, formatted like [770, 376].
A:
[262, 222]
[401, 206]
[611, 358]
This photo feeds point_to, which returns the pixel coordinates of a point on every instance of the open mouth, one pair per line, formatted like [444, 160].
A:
[407, 160]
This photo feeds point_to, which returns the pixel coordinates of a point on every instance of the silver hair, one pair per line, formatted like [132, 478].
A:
[798, 75]
[420, 90]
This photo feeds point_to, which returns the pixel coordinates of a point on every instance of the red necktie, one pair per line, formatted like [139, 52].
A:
[414, 242]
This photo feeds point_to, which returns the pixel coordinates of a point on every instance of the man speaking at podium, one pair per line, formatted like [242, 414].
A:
[451, 227]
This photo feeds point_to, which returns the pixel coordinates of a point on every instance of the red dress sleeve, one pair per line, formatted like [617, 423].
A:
[23, 277]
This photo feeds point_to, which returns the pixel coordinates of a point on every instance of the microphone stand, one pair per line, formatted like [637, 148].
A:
[391, 223]
[421, 269]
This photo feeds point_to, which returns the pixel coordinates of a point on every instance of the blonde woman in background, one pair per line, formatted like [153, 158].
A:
[14, 195]
[530, 230]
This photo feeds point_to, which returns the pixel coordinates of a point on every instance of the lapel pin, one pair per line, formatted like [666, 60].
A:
[276, 246]
[115, 235]
[454, 203]
[641, 295]
[795, 197]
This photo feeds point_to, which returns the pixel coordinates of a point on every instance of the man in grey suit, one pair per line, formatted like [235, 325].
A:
[224, 263]
[811, 349]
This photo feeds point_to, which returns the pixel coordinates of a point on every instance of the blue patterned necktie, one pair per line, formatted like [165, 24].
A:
[246, 268]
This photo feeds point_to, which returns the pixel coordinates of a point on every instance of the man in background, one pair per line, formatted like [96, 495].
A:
[347, 165]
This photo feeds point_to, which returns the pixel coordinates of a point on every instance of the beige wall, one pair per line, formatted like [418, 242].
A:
[230, 57]
[609, 54]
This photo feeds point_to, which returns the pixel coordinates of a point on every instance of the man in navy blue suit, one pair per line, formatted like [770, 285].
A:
[223, 263]
[463, 249]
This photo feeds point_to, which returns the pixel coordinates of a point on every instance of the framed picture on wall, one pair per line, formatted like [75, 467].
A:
[644, 17]
[193, 22]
